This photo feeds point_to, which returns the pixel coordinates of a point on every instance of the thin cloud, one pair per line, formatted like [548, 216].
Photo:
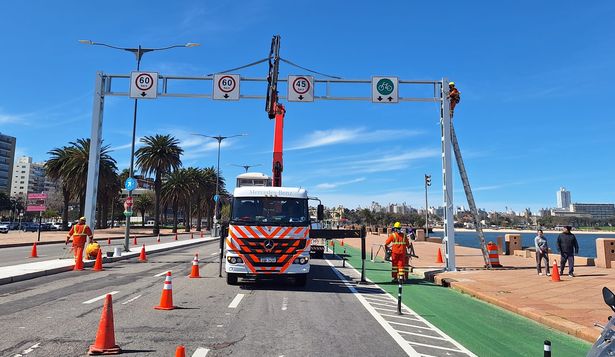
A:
[329, 186]
[339, 136]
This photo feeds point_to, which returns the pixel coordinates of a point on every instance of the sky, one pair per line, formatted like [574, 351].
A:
[535, 81]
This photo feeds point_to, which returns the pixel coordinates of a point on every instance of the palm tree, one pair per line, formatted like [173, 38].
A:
[55, 169]
[205, 183]
[159, 155]
[175, 189]
[142, 204]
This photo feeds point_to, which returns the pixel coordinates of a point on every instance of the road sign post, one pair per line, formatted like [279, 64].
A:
[300, 89]
[144, 85]
[226, 87]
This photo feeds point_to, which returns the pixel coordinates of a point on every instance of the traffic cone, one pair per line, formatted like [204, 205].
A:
[180, 351]
[79, 259]
[135, 240]
[142, 256]
[439, 257]
[109, 241]
[342, 243]
[195, 267]
[98, 264]
[158, 240]
[34, 254]
[105, 336]
[555, 274]
[175, 236]
[166, 299]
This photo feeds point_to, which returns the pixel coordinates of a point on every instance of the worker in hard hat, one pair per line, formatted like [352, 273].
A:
[454, 96]
[398, 252]
[91, 250]
[78, 232]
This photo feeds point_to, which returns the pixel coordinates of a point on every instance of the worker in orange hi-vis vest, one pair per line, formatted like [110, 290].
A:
[454, 96]
[398, 252]
[78, 232]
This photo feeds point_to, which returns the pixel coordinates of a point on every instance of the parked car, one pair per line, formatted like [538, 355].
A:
[56, 226]
[4, 228]
[29, 226]
[13, 226]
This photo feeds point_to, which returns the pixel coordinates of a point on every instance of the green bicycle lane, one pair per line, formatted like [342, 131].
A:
[485, 329]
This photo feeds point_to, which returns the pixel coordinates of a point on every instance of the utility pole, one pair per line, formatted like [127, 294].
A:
[427, 184]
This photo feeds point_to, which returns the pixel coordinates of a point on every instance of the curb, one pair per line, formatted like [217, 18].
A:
[90, 263]
[13, 245]
[556, 322]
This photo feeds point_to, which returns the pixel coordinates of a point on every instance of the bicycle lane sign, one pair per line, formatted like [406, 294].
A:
[385, 89]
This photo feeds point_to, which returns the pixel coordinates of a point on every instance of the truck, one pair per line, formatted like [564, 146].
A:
[268, 234]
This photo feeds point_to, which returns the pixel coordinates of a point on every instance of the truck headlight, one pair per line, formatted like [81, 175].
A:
[234, 260]
[301, 260]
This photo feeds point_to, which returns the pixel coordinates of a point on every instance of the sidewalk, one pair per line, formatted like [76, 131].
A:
[20, 272]
[571, 305]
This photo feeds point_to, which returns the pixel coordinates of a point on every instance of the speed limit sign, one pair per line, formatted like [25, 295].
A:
[300, 88]
[144, 85]
[226, 87]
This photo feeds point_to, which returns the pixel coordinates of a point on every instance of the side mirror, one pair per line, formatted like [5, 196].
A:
[609, 297]
[320, 213]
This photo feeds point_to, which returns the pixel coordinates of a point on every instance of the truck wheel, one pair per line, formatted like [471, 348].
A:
[300, 279]
[231, 279]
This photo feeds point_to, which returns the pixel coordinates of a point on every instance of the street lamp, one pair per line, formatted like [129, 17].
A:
[219, 138]
[139, 51]
[246, 167]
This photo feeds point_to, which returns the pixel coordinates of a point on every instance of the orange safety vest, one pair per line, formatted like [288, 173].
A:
[400, 242]
[79, 237]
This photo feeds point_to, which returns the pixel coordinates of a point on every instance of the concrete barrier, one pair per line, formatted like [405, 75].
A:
[513, 242]
[605, 252]
[420, 235]
[501, 245]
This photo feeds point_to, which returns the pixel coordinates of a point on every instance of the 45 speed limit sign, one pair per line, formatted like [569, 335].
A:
[144, 85]
[300, 88]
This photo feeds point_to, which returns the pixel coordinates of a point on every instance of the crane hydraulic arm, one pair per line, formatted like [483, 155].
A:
[278, 145]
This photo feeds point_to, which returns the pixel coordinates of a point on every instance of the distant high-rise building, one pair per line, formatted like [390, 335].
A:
[28, 177]
[563, 198]
[7, 157]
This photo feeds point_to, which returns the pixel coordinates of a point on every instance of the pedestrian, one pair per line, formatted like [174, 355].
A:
[568, 247]
[411, 234]
[398, 252]
[78, 232]
[542, 252]
[454, 96]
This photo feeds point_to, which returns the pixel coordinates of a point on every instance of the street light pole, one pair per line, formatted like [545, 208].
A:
[138, 52]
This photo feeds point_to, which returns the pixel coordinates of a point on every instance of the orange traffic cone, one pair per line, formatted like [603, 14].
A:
[166, 300]
[158, 240]
[195, 267]
[142, 256]
[180, 351]
[175, 236]
[79, 259]
[342, 243]
[135, 240]
[105, 336]
[439, 257]
[98, 264]
[555, 274]
[109, 241]
[34, 254]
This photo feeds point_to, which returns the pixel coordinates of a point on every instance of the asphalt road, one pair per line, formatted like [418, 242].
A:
[21, 255]
[49, 316]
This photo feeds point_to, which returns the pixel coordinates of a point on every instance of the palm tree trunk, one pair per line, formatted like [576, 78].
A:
[142, 218]
[66, 199]
[187, 217]
[157, 188]
[199, 213]
[175, 216]
[82, 206]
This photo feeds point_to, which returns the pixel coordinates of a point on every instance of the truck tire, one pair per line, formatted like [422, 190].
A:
[300, 279]
[231, 279]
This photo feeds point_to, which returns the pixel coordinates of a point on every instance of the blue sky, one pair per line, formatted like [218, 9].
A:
[535, 79]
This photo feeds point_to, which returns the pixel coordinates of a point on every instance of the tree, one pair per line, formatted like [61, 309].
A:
[56, 169]
[143, 203]
[174, 190]
[206, 182]
[159, 155]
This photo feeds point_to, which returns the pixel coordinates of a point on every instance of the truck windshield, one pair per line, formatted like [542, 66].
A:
[270, 210]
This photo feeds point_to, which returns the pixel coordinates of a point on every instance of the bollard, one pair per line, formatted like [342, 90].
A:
[400, 278]
[547, 348]
[371, 254]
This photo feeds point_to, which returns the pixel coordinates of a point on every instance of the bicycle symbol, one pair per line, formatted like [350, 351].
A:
[385, 86]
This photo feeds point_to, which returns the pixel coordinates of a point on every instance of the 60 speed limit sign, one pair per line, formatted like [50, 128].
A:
[300, 88]
[226, 87]
[144, 85]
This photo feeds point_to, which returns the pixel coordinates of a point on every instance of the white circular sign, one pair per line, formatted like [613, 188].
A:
[226, 84]
[301, 85]
[144, 81]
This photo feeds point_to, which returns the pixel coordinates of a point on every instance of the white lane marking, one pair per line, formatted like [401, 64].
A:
[236, 301]
[163, 273]
[409, 325]
[403, 344]
[382, 308]
[383, 304]
[422, 335]
[215, 253]
[436, 347]
[420, 318]
[380, 299]
[284, 303]
[100, 297]
[401, 317]
[200, 352]
[131, 300]
[25, 352]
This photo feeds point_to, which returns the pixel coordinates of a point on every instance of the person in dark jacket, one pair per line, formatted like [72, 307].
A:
[568, 247]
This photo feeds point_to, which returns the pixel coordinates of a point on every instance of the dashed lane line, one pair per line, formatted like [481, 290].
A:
[163, 273]
[131, 300]
[236, 301]
[284, 303]
[100, 297]
[200, 352]
[26, 351]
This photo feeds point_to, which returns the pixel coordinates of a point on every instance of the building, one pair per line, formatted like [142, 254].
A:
[563, 198]
[7, 158]
[596, 210]
[28, 177]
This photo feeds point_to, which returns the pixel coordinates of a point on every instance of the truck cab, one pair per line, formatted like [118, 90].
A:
[269, 233]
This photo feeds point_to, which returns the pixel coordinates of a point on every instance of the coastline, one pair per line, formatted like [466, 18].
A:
[524, 231]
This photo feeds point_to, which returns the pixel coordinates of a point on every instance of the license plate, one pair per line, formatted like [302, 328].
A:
[268, 259]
